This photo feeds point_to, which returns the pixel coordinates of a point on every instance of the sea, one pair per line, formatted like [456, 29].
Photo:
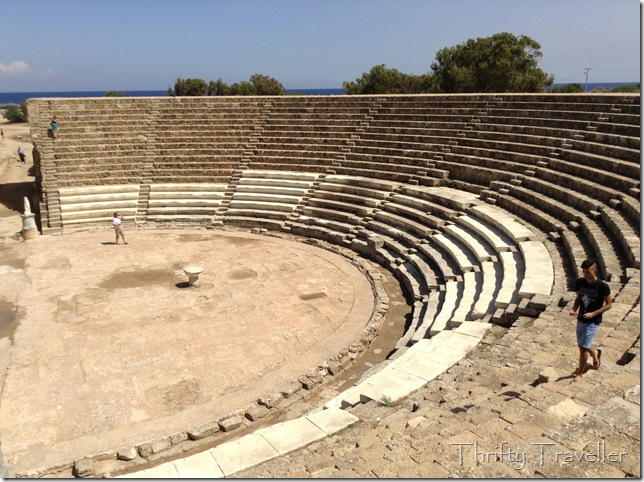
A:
[20, 97]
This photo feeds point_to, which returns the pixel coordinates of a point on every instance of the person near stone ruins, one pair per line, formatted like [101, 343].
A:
[21, 154]
[2, 134]
[54, 126]
[593, 299]
[117, 224]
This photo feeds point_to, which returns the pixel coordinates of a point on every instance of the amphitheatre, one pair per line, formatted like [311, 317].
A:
[385, 290]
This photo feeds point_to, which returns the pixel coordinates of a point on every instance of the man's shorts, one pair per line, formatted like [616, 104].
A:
[586, 333]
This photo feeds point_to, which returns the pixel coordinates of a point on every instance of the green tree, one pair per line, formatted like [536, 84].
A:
[16, 113]
[381, 80]
[631, 89]
[265, 85]
[218, 88]
[241, 88]
[190, 87]
[114, 93]
[500, 63]
[257, 85]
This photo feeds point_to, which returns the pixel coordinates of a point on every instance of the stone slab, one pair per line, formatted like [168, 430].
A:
[539, 273]
[504, 221]
[332, 420]
[384, 389]
[240, 454]
[421, 367]
[199, 466]
[293, 434]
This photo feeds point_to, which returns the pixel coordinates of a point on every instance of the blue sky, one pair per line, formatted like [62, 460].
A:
[62, 45]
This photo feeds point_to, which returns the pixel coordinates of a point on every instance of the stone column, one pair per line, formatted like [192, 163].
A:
[29, 228]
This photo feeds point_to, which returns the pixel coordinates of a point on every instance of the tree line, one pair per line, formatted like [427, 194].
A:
[257, 85]
[500, 63]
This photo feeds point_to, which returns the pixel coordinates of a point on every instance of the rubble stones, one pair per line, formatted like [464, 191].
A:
[84, 468]
[127, 453]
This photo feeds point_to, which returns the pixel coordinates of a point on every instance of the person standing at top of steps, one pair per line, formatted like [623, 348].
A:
[54, 126]
[593, 299]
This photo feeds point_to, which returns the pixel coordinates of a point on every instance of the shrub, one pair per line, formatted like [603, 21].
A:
[16, 113]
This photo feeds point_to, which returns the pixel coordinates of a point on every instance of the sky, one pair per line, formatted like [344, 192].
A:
[80, 45]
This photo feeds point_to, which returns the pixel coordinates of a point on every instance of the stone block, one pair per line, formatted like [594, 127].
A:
[203, 431]
[272, 400]
[375, 242]
[567, 409]
[415, 422]
[230, 423]
[84, 468]
[257, 412]
[306, 382]
[198, 466]
[160, 445]
[292, 434]
[240, 454]
[145, 450]
[547, 375]
[334, 367]
[565, 299]
[127, 453]
[178, 438]
[291, 389]
[540, 302]
[524, 309]
[633, 395]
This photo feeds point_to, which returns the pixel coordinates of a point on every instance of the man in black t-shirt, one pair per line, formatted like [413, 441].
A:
[593, 299]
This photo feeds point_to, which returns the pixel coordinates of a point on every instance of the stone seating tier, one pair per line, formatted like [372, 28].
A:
[610, 145]
[543, 150]
[627, 130]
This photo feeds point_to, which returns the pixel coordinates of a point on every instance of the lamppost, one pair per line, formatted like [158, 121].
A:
[586, 70]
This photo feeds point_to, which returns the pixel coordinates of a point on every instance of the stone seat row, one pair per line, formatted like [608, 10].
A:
[555, 216]
[537, 124]
[608, 127]
[564, 163]
[80, 128]
[517, 100]
[512, 107]
[588, 132]
[539, 117]
[611, 158]
[534, 143]
[485, 169]
[480, 136]
[624, 146]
